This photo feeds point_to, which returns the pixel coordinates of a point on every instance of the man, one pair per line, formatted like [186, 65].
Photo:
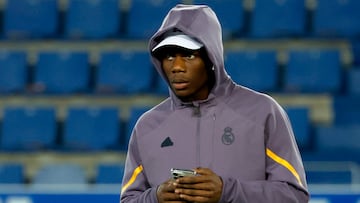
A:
[238, 141]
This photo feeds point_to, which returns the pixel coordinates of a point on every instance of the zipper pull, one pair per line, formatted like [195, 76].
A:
[196, 111]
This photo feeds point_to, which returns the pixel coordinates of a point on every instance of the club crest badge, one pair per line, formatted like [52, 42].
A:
[228, 136]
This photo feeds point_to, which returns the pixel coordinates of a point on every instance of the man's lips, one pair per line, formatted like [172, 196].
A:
[179, 84]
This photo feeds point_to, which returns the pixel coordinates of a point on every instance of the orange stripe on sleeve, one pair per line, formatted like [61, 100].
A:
[136, 172]
[284, 163]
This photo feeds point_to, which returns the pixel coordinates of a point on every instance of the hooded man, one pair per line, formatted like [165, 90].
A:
[238, 142]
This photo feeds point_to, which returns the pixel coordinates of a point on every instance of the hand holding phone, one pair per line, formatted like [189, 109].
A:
[178, 173]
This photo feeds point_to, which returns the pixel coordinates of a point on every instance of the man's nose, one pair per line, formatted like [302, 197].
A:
[179, 64]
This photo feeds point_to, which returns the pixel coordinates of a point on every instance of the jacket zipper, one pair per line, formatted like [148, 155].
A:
[197, 113]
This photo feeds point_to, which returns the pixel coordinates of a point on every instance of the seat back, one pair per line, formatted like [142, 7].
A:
[31, 18]
[335, 18]
[28, 128]
[11, 173]
[257, 69]
[60, 173]
[13, 71]
[62, 72]
[92, 19]
[300, 121]
[313, 71]
[91, 128]
[341, 139]
[346, 110]
[145, 17]
[110, 173]
[230, 14]
[274, 18]
[353, 81]
[118, 71]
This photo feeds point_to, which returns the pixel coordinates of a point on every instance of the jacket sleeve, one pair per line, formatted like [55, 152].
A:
[135, 187]
[285, 176]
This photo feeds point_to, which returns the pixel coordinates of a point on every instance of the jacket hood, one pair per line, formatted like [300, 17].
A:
[201, 23]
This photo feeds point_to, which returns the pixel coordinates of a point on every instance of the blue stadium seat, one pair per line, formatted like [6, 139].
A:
[92, 19]
[13, 71]
[161, 86]
[109, 173]
[28, 128]
[60, 173]
[91, 128]
[135, 113]
[145, 17]
[62, 72]
[299, 117]
[346, 110]
[257, 69]
[31, 18]
[11, 173]
[274, 18]
[337, 18]
[355, 48]
[329, 177]
[342, 139]
[230, 14]
[124, 72]
[313, 71]
[353, 81]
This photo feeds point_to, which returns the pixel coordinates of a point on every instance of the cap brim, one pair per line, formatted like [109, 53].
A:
[183, 41]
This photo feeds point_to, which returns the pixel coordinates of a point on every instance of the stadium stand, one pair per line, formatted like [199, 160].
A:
[109, 173]
[299, 117]
[334, 18]
[93, 19]
[28, 128]
[231, 14]
[274, 18]
[355, 49]
[144, 17]
[161, 87]
[353, 81]
[61, 70]
[341, 139]
[31, 19]
[125, 65]
[60, 173]
[305, 71]
[13, 71]
[346, 110]
[257, 69]
[91, 128]
[11, 173]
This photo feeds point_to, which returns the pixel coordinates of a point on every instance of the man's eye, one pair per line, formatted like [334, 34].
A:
[190, 56]
[169, 57]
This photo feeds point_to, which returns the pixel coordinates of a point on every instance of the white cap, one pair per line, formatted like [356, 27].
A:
[181, 41]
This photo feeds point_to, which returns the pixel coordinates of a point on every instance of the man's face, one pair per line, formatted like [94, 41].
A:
[186, 73]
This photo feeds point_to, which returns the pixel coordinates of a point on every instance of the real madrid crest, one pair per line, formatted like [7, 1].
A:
[228, 136]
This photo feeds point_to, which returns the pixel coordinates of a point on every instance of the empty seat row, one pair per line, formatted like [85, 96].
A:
[334, 172]
[94, 19]
[112, 173]
[303, 72]
[84, 128]
[130, 72]
[70, 72]
[61, 173]
[96, 128]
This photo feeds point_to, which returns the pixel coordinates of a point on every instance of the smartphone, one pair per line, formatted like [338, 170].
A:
[178, 173]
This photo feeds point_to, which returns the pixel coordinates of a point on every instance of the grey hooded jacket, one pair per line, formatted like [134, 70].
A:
[243, 136]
